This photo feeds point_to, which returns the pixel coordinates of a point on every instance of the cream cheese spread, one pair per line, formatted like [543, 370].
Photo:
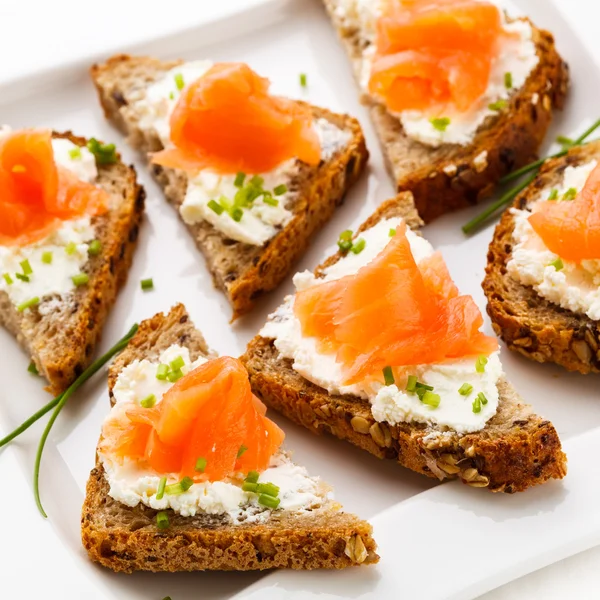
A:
[576, 286]
[389, 403]
[131, 484]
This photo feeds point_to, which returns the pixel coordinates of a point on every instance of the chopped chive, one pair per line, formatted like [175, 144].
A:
[95, 248]
[22, 277]
[280, 189]
[215, 207]
[239, 179]
[392, 232]
[344, 245]
[171, 95]
[388, 376]
[28, 304]
[267, 488]
[75, 153]
[175, 489]
[268, 501]
[179, 82]
[47, 258]
[161, 488]
[162, 520]
[174, 376]
[147, 284]
[482, 398]
[498, 105]
[303, 80]
[27, 270]
[70, 248]
[161, 372]
[177, 363]
[242, 450]
[257, 181]
[252, 477]
[33, 369]
[423, 386]
[553, 194]
[237, 214]
[8, 279]
[565, 141]
[430, 399]
[440, 123]
[105, 154]
[268, 199]
[570, 194]
[477, 405]
[480, 363]
[557, 264]
[200, 464]
[465, 389]
[358, 246]
[346, 235]
[508, 80]
[249, 486]
[148, 401]
[411, 383]
[80, 279]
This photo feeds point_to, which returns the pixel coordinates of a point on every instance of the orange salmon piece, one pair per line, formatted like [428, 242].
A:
[392, 312]
[226, 120]
[571, 229]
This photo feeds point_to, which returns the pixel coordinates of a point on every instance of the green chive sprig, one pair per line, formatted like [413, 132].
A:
[105, 154]
[509, 195]
[147, 284]
[58, 404]
[388, 376]
[162, 520]
[201, 463]
[480, 363]
[558, 264]
[32, 369]
[440, 123]
[160, 492]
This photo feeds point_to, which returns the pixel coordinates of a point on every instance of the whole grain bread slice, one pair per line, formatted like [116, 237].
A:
[61, 334]
[242, 271]
[528, 323]
[127, 539]
[453, 176]
[516, 450]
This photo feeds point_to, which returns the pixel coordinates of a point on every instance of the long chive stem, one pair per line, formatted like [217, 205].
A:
[490, 210]
[29, 422]
[62, 400]
[538, 163]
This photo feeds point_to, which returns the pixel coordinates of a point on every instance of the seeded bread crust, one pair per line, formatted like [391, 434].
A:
[528, 323]
[61, 336]
[451, 176]
[242, 271]
[127, 539]
[516, 450]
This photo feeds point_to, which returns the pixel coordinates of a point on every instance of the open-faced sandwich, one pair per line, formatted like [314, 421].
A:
[543, 274]
[190, 473]
[252, 175]
[379, 348]
[459, 93]
[69, 217]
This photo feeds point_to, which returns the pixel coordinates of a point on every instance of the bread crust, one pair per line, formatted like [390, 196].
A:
[451, 176]
[529, 324]
[242, 271]
[516, 450]
[62, 343]
[127, 539]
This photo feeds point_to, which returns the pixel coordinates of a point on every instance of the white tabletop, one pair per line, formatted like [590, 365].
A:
[62, 30]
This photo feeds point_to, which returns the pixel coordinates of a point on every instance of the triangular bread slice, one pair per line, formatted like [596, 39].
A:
[452, 176]
[528, 323]
[242, 271]
[61, 334]
[127, 539]
[516, 450]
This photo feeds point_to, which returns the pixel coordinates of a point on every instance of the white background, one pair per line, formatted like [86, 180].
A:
[35, 35]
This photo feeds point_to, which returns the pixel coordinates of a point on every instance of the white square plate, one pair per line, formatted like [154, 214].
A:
[436, 542]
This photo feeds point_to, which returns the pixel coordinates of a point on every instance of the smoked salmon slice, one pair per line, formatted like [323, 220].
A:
[227, 121]
[571, 228]
[434, 53]
[35, 194]
[210, 413]
[392, 312]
